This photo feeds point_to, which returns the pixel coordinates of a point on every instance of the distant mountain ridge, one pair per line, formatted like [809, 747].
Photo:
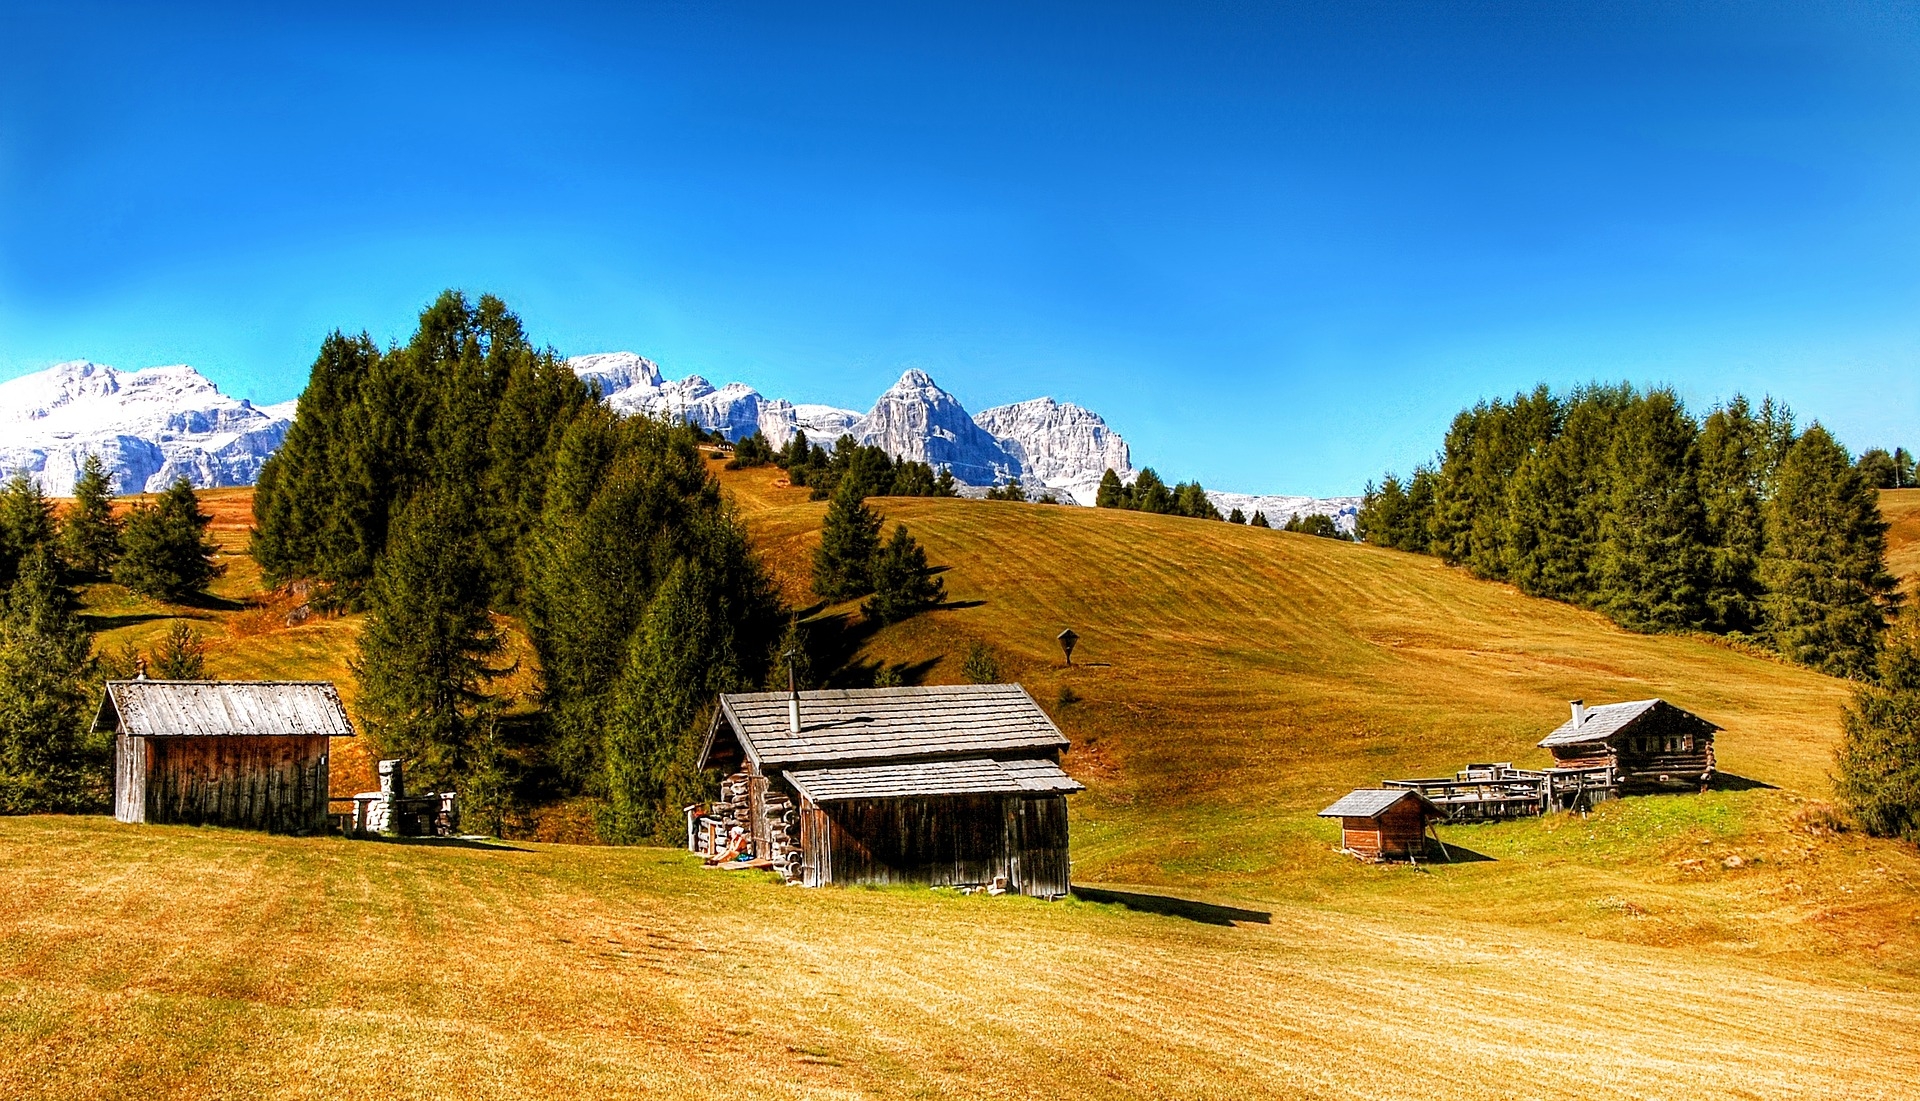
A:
[156, 424]
[149, 426]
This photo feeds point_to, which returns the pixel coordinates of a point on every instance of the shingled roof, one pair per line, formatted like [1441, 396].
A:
[1597, 724]
[963, 776]
[1371, 802]
[201, 708]
[871, 725]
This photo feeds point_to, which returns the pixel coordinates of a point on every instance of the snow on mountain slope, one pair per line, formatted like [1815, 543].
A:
[1281, 508]
[1063, 445]
[149, 426]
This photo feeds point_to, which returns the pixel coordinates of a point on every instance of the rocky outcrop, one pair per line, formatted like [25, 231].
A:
[917, 420]
[1062, 445]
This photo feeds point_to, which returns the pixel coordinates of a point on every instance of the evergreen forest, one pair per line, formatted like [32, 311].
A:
[1740, 524]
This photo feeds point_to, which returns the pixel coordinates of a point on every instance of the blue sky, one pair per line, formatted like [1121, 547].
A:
[1276, 246]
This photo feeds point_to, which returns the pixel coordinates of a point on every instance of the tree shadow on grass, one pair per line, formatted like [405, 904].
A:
[1727, 781]
[483, 843]
[100, 623]
[1204, 912]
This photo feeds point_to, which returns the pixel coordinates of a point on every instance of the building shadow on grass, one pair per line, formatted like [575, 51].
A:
[1459, 854]
[1204, 912]
[1727, 781]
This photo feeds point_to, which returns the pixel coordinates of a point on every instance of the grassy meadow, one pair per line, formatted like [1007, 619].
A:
[1229, 682]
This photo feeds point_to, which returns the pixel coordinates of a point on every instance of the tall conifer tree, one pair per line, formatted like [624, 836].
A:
[1650, 536]
[89, 534]
[849, 539]
[427, 646]
[1828, 591]
[48, 759]
[164, 549]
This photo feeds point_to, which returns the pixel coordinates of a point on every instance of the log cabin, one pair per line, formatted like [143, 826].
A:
[247, 754]
[1651, 745]
[954, 785]
[1385, 824]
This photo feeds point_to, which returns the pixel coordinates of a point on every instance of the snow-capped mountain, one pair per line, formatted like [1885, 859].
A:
[1063, 445]
[153, 425]
[917, 420]
[1281, 508]
[149, 426]
[1046, 444]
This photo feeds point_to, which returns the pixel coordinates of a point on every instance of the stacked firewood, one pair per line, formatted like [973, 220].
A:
[783, 834]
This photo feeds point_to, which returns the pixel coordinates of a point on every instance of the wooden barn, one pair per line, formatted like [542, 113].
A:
[250, 754]
[1651, 745]
[1385, 824]
[954, 785]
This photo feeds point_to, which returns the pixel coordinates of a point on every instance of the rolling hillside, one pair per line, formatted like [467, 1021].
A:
[1229, 682]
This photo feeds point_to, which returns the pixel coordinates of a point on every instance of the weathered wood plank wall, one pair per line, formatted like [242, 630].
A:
[267, 783]
[939, 841]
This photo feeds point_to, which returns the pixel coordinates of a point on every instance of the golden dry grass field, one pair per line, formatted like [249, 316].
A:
[1229, 682]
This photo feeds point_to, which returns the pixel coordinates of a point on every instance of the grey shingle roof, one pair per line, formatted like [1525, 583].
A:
[846, 726]
[966, 776]
[1368, 802]
[190, 708]
[1607, 719]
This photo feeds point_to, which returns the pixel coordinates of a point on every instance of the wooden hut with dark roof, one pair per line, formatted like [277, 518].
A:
[251, 754]
[953, 785]
[1385, 824]
[1651, 745]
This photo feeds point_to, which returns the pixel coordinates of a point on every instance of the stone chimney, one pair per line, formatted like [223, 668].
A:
[1579, 711]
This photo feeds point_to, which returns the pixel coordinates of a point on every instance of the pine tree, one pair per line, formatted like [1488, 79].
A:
[979, 665]
[681, 657]
[181, 655]
[1903, 469]
[1732, 451]
[26, 525]
[1149, 494]
[1649, 562]
[1259, 520]
[1111, 493]
[1878, 468]
[165, 552]
[1190, 499]
[944, 485]
[1238, 517]
[1828, 590]
[426, 647]
[790, 657]
[903, 583]
[1877, 764]
[90, 534]
[849, 539]
[48, 759]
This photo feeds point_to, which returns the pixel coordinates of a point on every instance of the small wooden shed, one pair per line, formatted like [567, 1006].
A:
[1651, 745]
[1385, 824]
[249, 754]
[953, 785]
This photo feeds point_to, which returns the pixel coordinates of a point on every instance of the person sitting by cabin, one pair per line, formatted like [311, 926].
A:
[736, 848]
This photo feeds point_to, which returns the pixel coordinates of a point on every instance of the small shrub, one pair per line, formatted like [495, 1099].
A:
[980, 666]
[1067, 697]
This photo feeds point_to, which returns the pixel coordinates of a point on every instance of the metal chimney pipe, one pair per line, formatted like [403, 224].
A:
[1579, 711]
[793, 697]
